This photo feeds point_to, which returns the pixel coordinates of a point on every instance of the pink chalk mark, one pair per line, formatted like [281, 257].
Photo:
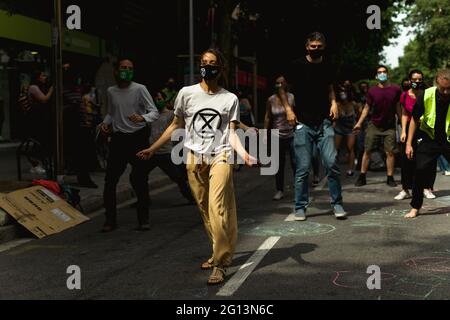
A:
[384, 276]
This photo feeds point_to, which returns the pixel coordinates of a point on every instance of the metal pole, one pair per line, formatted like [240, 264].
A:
[191, 42]
[58, 85]
[255, 90]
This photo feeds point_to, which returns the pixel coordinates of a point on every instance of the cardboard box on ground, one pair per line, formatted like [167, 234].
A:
[5, 218]
[41, 211]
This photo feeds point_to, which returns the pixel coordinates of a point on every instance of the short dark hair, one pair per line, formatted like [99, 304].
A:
[382, 66]
[316, 36]
[414, 71]
[35, 75]
[123, 58]
[278, 75]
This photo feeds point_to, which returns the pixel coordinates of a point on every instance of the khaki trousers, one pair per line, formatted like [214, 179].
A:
[213, 189]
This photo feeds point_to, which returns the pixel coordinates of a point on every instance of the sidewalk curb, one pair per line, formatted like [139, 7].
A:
[90, 204]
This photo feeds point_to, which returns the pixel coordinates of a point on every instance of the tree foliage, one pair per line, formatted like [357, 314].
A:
[430, 49]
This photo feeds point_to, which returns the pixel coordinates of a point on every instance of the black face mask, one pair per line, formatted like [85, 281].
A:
[209, 72]
[315, 54]
[417, 85]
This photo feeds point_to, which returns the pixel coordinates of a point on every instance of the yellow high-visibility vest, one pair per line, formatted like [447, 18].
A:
[428, 120]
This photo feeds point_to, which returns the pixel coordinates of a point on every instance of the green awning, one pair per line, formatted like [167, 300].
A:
[33, 31]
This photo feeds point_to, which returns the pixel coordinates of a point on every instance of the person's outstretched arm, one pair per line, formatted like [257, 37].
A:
[290, 114]
[411, 133]
[334, 110]
[363, 117]
[236, 144]
[404, 125]
[177, 123]
[39, 96]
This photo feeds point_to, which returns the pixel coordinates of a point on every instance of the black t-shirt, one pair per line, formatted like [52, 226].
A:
[441, 115]
[310, 83]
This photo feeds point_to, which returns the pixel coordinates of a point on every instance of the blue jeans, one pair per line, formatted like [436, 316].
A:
[305, 139]
[443, 164]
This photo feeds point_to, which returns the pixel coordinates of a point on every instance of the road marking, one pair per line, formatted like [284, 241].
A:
[13, 244]
[247, 268]
[32, 247]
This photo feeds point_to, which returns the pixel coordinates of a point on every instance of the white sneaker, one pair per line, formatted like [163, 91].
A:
[38, 170]
[403, 195]
[428, 194]
[278, 196]
[447, 173]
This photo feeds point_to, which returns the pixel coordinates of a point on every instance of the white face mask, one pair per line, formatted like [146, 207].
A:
[343, 96]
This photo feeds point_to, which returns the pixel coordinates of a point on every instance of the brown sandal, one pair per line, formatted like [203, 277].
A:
[206, 266]
[217, 276]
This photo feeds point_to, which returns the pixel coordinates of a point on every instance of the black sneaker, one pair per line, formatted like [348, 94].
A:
[143, 228]
[391, 182]
[361, 181]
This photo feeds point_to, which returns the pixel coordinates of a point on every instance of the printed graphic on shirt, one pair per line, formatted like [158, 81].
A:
[206, 123]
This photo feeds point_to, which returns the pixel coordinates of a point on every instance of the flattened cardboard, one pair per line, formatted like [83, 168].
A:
[40, 211]
[4, 216]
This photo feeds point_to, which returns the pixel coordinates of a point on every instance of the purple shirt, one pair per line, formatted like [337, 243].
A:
[383, 102]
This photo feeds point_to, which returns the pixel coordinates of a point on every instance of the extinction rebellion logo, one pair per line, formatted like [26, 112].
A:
[206, 123]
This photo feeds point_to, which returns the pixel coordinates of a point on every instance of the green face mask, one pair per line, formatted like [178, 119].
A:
[160, 105]
[126, 75]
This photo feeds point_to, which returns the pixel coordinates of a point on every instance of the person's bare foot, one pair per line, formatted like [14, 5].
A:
[412, 214]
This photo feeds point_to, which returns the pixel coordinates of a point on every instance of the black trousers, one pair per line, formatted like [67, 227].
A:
[86, 155]
[408, 170]
[286, 146]
[123, 150]
[426, 160]
[164, 162]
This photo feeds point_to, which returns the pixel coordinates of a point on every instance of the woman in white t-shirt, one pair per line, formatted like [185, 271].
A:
[210, 115]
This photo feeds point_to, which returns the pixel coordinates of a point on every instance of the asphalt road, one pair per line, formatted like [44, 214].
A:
[322, 258]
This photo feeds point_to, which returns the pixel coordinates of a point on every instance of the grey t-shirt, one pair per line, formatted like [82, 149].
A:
[207, 118]
[279, 116]
[125, 102]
